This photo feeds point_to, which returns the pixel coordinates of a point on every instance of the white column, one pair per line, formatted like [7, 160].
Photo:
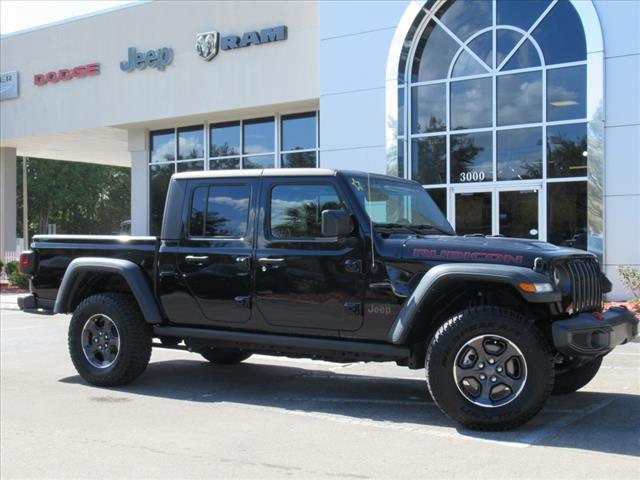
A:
[7, 200]
[139, 151]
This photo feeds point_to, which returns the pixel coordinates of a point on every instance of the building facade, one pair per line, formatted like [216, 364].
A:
[519, 117]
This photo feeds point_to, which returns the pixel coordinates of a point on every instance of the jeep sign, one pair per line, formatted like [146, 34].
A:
[157, 59]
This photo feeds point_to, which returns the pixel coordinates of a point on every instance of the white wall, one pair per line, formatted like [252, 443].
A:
[272, 73]
[619, 20]
[354, 44]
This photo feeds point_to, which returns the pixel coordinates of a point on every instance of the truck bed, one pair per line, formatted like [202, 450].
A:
[55, 252]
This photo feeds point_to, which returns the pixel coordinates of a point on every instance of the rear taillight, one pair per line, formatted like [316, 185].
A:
[27, 264]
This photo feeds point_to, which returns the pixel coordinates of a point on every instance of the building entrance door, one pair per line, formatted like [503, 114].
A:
[513, 211]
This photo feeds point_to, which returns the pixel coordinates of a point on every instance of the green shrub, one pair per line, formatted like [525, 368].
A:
[10, 268]
[1, 265]
[631, 279]
[19, 280]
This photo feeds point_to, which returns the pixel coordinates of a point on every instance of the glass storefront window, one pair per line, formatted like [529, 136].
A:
[485, 98]
[567, 150]
[429, 157]
[163, 145]
[258, 136]
[224, 139]
[258, 161]
[298, 132]
[439, 196]
[567, 214]
[519, 98]
[471, 102]
[471, 157]
[519, 153]
[224, 163]
[299, 160]
[190, 143]
[567, 93]
[428, 108]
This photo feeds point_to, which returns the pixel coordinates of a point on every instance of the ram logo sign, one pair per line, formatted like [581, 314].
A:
[208, 43]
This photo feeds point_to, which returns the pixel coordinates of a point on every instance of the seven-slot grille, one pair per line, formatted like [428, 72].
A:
[586, 284]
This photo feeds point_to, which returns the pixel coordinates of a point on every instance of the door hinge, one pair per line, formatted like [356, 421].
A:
[353, 266]
[353, 308]
[243, 301]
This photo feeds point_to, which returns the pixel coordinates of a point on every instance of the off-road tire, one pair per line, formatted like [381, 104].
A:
[574, 379]
[134, 336]
[524, 333]
[225, 356]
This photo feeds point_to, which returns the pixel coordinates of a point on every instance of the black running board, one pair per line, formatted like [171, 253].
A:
[285, 344]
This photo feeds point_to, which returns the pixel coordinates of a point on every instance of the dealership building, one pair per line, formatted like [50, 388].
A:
[520, 118]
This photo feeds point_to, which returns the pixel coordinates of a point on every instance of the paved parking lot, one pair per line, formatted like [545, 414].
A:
[284, 418]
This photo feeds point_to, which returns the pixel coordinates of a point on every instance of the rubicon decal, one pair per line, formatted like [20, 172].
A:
[66, 74]
[482, 257]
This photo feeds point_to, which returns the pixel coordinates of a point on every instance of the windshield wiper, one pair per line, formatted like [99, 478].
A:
[415, 228]
[429, 226]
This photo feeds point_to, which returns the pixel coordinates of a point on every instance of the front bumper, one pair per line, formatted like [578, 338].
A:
[594, 334]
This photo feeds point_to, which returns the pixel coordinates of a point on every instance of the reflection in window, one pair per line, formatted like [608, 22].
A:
[471, 104]
[520, 14]
[439, 196]
[519, 98]
[258, 136]
[299, 131]
[190, 143]
[197, 212]
[401, 111]
[567, 214]
[506, 40]
[227, 211]
[225, 139]
[299, 160]
[558, 46]
[519, 214]
[567, 93]
[428, 109]
[525, 57]
[163, 144]
[159, 176]
[429, 156]
[296, 210]
[466, 18]
[190, 166]
[224, 163]
[467, 65]
[482, 46]
[433, 54]
[567, 150]
[258, 161]
[519, 153]
[471, 157]
[473, 213]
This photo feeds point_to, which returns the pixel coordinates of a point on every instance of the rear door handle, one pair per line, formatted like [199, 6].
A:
[197, 259]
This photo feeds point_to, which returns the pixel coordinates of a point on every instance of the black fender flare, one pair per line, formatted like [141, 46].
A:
[445, 275]
[131, 273]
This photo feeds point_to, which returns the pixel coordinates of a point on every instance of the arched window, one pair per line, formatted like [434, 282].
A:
[493, 117]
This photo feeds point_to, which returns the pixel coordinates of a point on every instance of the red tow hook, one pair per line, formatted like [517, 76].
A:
[598, 316]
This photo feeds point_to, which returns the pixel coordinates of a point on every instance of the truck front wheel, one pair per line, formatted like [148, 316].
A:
[109, 341]
[489, 368]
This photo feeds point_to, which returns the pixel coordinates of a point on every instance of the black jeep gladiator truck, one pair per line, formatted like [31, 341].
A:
[340, 266]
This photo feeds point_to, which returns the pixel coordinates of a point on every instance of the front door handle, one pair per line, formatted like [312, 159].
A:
[197, 258]
[270, 261]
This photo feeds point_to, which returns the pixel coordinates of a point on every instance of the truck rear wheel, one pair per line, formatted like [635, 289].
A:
[489, 368]
[109, 341]
[225, 356]
[571, 380]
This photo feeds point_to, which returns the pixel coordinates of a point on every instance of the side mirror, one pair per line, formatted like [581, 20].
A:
[336, 223]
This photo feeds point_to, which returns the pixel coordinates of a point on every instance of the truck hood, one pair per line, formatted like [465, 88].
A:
[497, 250]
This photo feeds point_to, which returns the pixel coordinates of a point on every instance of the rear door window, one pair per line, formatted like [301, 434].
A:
[220, 211]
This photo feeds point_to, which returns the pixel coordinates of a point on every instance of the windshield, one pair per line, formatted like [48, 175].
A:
[392, 204]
